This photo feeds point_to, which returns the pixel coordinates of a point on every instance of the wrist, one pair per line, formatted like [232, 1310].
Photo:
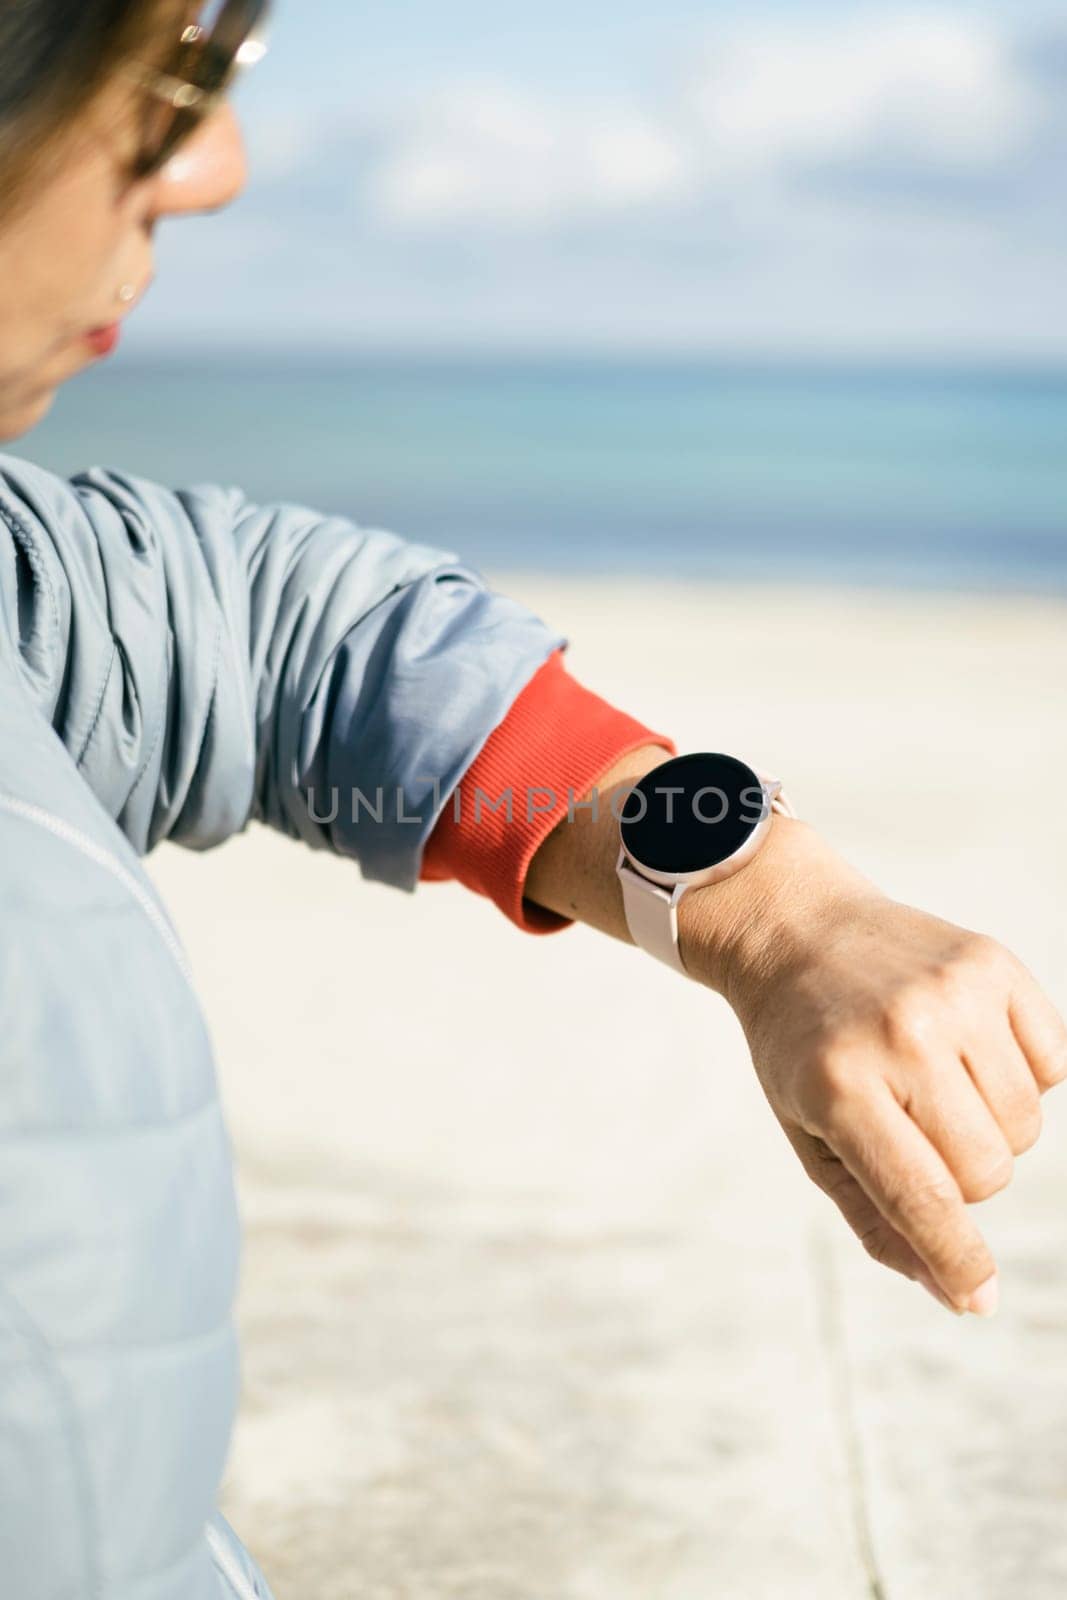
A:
[734, 935]
[573, 871]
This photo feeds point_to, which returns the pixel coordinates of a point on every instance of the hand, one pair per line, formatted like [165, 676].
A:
[904, 1057]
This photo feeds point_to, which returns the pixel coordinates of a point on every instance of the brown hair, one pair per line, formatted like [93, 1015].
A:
[55, 58]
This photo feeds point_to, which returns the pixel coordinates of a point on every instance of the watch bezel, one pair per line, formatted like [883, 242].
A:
[703, 877]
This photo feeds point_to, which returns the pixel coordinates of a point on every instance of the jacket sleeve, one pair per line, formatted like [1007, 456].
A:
[207, 662]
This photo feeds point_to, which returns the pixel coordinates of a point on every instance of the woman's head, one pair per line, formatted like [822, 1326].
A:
[94, 95]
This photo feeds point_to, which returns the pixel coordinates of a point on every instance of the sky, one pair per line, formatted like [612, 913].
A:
[845, 180]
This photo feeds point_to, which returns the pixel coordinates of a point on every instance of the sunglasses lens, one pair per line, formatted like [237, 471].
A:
[226, 36]
[230, 35]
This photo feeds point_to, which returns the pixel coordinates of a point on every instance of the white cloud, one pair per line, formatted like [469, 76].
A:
[936, 92]
[929, 88]
[493, 152]
[631, 160]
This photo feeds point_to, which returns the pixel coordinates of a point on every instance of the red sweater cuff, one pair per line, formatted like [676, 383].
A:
[554, 744]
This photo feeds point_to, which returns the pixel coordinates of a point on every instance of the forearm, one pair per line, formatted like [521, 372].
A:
[561, 740]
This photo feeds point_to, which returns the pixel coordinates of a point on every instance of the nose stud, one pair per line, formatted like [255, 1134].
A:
[127, 292]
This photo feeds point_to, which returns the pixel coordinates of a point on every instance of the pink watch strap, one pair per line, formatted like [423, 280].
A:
[652, 910]
[651, 915]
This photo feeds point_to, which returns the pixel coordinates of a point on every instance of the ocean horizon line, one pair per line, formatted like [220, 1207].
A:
[772, 364]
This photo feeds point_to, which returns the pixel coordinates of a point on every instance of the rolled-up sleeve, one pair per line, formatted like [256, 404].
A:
[208, 662]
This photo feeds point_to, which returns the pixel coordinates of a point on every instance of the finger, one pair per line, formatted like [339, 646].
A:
[944, 1101]
[1041, 1033]
[898, 1168]
[1002, 1076]
[881, 1241]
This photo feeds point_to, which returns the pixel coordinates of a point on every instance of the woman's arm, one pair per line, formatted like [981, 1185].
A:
[207, 661]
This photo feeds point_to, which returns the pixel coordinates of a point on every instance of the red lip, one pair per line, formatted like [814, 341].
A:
[103, 340]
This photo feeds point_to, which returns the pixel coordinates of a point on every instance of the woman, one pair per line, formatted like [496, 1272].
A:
[176, 664]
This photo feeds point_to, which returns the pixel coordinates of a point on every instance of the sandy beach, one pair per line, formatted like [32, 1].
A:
[537, 1303]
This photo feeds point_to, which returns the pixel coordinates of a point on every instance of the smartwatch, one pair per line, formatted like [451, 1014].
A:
[691, 822]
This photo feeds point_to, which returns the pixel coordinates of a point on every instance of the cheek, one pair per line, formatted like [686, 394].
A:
[82, 233]
[79, 282]
[62, 266]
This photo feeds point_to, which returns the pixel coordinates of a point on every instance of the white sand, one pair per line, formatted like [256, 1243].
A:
[537, 1303]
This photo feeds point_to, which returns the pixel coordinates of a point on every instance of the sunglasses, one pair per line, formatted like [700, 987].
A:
[227, 37]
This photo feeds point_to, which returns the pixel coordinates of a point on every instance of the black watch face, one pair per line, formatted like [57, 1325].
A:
[692, 813]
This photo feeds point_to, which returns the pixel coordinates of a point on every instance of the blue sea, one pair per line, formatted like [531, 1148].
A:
[682, 469]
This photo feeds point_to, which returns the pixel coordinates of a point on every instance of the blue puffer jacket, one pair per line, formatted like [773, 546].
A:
[173, 666]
